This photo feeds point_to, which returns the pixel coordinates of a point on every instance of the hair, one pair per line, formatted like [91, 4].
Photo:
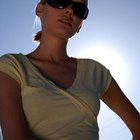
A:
[37, 36]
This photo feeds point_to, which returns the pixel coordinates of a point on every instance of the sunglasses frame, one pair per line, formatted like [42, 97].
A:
[75, 6]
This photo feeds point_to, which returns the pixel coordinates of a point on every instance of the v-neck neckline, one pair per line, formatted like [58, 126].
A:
[50, 81]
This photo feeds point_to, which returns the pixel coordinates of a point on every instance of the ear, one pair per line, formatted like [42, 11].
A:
[39, 9]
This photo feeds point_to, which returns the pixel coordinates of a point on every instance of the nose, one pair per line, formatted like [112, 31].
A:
[69, 12]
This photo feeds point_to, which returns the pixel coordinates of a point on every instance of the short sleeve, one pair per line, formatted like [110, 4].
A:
[103, 78]
[107, 82]
[9, 66]
[94, 76]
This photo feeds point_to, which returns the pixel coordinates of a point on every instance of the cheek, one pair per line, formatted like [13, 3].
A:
[46, 17]
[79, 24]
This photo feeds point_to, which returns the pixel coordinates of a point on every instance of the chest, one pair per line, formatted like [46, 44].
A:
[62, 74]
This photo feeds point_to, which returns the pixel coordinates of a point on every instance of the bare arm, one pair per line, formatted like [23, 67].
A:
[118, 102]
[12, 119]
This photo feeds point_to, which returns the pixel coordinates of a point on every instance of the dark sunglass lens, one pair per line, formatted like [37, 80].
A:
[80, 10]
[64, 3]
[59, 3]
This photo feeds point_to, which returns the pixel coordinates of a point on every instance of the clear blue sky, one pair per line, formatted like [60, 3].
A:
[112, 25]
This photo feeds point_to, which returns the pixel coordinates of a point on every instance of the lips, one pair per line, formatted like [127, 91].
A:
[67, 22]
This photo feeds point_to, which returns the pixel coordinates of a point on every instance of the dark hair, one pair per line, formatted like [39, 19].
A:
[37, 36]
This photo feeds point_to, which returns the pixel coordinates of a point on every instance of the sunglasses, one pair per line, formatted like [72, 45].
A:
[79, 9]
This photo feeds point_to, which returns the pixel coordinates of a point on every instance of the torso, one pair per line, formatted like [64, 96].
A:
[62, 74]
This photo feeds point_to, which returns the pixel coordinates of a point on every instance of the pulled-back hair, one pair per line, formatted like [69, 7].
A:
[37, 37]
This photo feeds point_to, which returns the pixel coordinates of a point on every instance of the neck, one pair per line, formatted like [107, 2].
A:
[51, 49]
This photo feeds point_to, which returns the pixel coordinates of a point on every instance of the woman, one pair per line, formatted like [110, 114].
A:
[47, 95]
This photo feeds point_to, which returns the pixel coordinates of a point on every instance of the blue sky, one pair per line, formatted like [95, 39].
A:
[111, 34]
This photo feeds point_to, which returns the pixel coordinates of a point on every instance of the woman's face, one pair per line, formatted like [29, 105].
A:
[59, 22]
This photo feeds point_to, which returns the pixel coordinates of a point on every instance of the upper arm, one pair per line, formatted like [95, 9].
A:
[119, 103]
[12, 119]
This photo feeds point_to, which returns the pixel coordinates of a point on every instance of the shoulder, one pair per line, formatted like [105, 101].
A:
[10, 64]
[7, 57]
[96, 75]
[91, 63]
[11, 58]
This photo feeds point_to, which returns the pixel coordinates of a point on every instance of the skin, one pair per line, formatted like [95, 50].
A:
[61, 69]
[115, 99]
